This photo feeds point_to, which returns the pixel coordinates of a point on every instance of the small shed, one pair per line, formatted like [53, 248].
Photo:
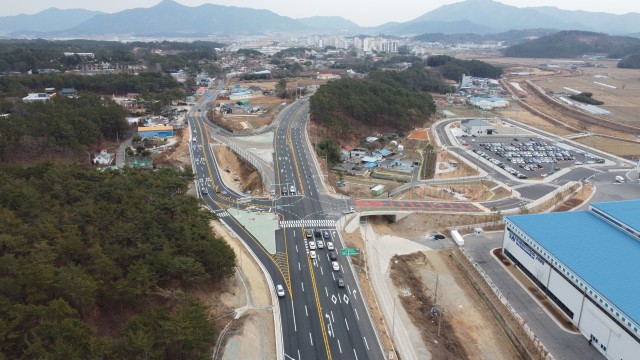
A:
[378, 190]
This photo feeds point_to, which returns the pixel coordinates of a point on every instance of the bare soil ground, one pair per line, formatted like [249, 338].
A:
[237, 173]
[416, 225]
[620, 147]
[623, 100]
[465, 330]
[461, 171]
[251, 336]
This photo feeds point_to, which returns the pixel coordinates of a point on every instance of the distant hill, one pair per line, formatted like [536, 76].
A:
[488, 16]
[571, 44]
[169, 17]
[329, 23]
[52, 19]
[511, 37]
[447, 27]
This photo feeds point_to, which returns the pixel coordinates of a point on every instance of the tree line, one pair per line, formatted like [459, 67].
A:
[99, 265]
[24, 55]
[107, 84]
[60, 126]
[453, 69]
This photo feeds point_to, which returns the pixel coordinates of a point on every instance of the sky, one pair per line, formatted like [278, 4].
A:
[362, 12]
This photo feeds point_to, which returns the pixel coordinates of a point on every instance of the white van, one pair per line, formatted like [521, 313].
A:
[619, 179]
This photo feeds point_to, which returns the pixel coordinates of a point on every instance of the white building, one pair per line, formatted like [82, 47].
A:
[32, 97]
[586, 262]
[477, 127]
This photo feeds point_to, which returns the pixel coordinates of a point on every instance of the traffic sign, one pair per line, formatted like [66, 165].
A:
[349, 252]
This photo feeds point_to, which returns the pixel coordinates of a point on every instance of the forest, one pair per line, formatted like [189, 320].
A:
[98, 265]
[453, 69]
[61, 126]
[371, 103]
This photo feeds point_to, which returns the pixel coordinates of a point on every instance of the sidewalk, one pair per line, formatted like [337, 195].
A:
[405, 335]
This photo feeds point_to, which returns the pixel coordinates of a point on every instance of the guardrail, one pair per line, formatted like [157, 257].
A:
[251, 159]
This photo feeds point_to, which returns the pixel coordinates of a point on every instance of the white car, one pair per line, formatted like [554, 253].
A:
[280, 290]
[320, 244]
[312, 245]
[312, 254]
[292, 190]
[330, 245]
[335, 265]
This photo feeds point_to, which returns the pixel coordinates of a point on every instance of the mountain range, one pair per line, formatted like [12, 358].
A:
[169, 18]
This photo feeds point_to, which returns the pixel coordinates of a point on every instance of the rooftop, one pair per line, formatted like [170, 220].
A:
[627, 212]
[603, 256]
[154, 128]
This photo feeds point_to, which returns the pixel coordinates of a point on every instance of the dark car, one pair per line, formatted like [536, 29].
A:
[333, 256]
[340, 282]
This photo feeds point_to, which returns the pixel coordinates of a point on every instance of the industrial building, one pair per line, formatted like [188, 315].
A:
[477, 127]
[586, 262]
[160, 132]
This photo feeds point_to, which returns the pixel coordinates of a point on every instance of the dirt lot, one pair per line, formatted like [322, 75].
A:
[236, 173]
[528, 118]
[466, 330]
[626, 149]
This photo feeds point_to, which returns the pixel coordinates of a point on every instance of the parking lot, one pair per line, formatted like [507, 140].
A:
[527, 157]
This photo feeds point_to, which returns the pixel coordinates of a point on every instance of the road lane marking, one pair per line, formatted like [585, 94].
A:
[302, 286]
[310, 338]
[300, 269]
[295, 326]
[305, 310]
[356, 311]
[365, 342]
[354, 353]
[332, 319]
[339, 347]
[326, 291]
[321, 271]
[346, 323]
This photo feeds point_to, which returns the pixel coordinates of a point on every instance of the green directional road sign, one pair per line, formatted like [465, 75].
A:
[349, 252]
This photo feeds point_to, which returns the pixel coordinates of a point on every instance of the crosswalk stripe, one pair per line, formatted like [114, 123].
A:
[307, 223]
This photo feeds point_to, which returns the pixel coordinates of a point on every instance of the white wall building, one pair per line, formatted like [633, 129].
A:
[586, 262]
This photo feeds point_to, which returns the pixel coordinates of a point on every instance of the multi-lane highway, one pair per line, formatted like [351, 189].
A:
[319, 319]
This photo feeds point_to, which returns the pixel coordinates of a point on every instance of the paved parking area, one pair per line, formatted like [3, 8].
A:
[562, 344]
[527, 156]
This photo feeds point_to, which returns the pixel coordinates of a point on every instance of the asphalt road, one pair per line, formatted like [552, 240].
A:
[319, 320]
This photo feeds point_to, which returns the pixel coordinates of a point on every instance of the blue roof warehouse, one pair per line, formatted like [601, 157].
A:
[587, 263]
[160, 132]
